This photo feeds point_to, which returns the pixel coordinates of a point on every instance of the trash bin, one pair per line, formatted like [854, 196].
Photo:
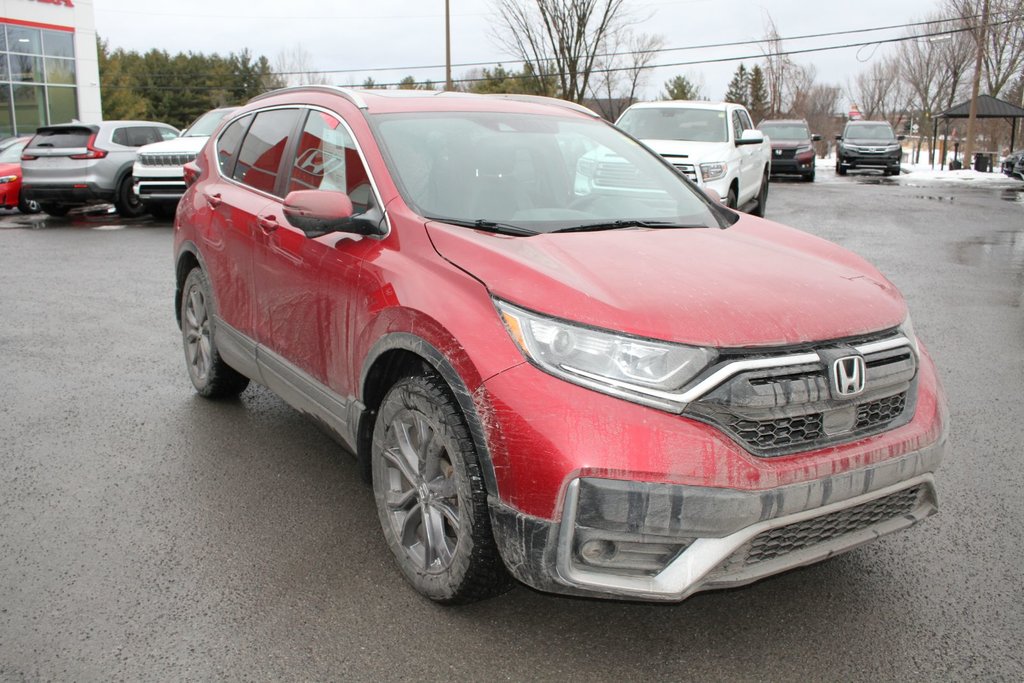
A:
[983, 162]
[955, 165]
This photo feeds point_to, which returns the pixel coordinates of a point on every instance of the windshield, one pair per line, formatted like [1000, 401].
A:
[785, 131]
[869, 131]
[205, 125]
[541, 173]
[12, 153]
[672, 123]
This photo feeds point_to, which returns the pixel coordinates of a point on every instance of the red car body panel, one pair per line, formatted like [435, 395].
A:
[10, 192]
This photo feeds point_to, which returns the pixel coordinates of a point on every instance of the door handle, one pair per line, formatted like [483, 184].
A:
[268, 224]
[214, 200]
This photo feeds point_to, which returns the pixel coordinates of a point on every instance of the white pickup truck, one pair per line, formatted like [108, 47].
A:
[714, 144]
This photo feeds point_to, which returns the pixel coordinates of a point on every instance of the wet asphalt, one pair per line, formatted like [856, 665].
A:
[148, 534]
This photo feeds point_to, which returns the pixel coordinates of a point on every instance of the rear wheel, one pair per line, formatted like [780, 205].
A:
[28, 205]
[55, 209]
[430, 495]
[211, 376]
[126, 202]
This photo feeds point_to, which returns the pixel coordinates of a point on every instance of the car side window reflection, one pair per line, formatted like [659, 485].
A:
[326, 159]
[259, 159]
[229, 142]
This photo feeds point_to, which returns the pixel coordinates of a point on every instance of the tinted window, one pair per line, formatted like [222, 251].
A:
[135, 136]
[259, 159]
[869, 131]
[61, 137]
[326, 159]
[785, 131]
[229, 142]
[207, 123]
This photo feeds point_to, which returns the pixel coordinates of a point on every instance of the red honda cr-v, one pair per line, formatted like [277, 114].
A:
[554, 357]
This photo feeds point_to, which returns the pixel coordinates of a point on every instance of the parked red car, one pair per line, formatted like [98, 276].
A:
[10, 176]
[553, 356]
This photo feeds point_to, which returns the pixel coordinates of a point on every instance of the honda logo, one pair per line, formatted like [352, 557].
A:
[848, 375]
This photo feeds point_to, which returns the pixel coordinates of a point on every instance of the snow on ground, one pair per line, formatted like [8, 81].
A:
[913, 173]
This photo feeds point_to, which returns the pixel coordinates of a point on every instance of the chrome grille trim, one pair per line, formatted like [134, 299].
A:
[166, 158]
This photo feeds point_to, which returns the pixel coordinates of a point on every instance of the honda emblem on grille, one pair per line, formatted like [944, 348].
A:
[848, 375]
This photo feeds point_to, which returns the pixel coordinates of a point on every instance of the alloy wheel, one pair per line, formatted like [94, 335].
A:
[198, 345]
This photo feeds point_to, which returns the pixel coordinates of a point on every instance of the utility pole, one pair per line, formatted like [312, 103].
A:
[981, 36]
[448, 46]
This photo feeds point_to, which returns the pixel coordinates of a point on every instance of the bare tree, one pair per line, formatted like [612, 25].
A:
[881, 93]
[295, 66]
[777, 68]
[619, 76]
[568, 34]
[800, 89]
[1003, 54]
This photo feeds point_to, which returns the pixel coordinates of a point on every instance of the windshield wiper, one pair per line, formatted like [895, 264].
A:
[615, 225]
[484, 224]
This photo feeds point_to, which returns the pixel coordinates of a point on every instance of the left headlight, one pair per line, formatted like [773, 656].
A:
[714, 170]
[641, 370]
[7, 179]
[907, 330]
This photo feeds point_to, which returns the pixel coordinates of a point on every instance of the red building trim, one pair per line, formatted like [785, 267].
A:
[37, 24]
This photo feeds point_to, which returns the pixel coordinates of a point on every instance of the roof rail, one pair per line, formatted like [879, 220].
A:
[351, 95]
[553, 101]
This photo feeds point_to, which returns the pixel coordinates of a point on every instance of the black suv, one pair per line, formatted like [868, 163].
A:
[792, 148]
[868, 144]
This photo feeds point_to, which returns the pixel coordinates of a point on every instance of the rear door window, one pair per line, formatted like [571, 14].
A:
[259, 159]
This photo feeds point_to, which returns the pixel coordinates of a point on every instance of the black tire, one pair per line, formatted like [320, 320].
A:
[732, 198]
[126, 202]
[430, 495]
[840, 169]
[211, 376]
[762, 197]
[809, 177]
[55, 209]
[28, 205]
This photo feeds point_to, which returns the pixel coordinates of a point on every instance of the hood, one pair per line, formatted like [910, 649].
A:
[754, 284]
[869, 142]
[701, 151]
[790, 144]
[175, 145]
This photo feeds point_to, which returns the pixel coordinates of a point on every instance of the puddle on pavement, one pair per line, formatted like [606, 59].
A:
[935, 198]
[875, 180]
[1002, 251]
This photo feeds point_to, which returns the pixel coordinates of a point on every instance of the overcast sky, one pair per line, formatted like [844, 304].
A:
[363, 36]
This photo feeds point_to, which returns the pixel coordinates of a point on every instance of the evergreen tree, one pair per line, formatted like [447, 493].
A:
[681, 88]
[739, 87]
[758, 95]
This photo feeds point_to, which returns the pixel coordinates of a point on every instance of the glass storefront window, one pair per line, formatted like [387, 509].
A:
[29, 107]
[58, 44]
[6, 120]
[26, 68]
[24, 40]
[5, 74]
[61, 71]
[63, 107]
[3, 37]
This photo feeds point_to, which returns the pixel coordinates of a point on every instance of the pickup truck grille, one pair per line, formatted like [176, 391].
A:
[776, 411]
[166, 159]
[620, 175]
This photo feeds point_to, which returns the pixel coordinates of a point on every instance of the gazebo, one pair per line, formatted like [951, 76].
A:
[988, 108]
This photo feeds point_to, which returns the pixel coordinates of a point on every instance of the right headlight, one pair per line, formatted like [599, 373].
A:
[645, 371]
[714, 170]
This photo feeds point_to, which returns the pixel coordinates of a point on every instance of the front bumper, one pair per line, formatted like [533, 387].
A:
[880, 160]
[160, 190]
[792, 165]
[725, 537]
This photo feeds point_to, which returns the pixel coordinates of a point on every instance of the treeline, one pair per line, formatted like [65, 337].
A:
[175, 89]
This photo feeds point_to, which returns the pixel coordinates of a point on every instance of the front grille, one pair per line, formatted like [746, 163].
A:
[621, 175]
[776, 543]
[166, 159]
[784, 154]
[687, 170]
[782, 410]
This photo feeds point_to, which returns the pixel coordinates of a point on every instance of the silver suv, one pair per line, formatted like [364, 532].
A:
[75, 164]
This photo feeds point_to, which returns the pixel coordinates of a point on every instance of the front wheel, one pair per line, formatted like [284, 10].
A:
[430, 495]
[126, 202]
[211, 376]
[55, 209]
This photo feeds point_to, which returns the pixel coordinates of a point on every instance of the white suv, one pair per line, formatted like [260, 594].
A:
[714, 144]
[158, 171]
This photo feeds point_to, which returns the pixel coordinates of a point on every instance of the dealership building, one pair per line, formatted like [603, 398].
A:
[49, 69]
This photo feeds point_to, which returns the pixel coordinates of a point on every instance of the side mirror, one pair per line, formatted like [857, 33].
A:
[901, 137]
[839, 137]
[750, 136]
[815, 138]
[318, 212]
